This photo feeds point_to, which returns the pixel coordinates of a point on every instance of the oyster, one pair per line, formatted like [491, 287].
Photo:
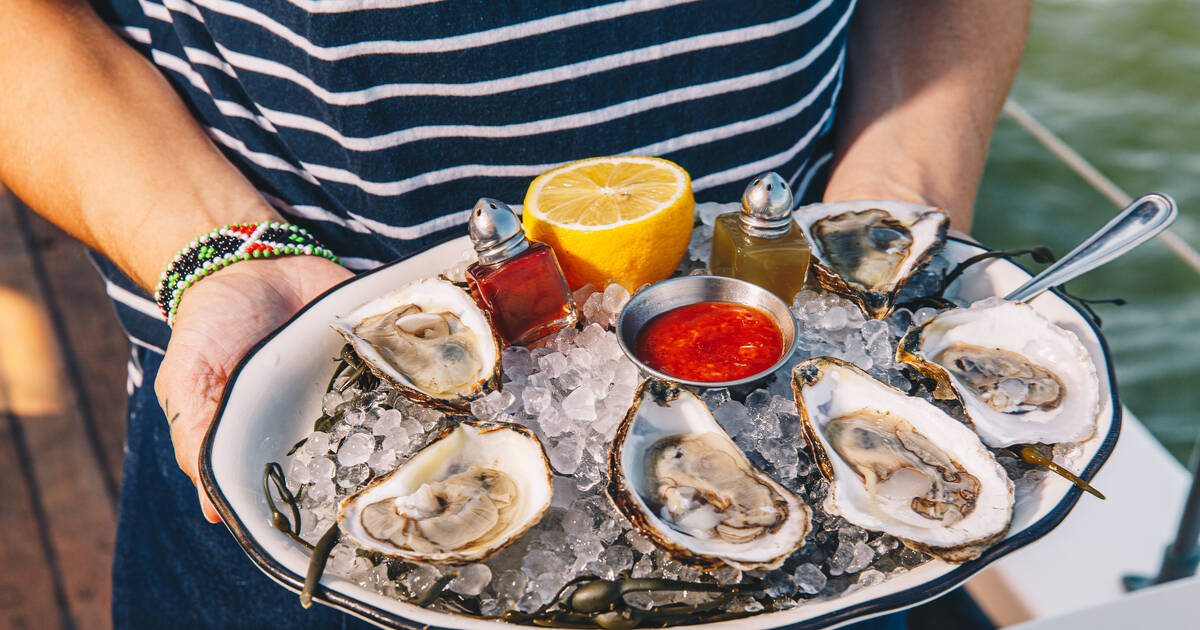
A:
[897, 464]
[684, 485]
[430, 340]
[1020, 378]
[867, 250]
[473, 490]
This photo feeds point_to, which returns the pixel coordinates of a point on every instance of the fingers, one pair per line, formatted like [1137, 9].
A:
[206, 505]
[188, 390]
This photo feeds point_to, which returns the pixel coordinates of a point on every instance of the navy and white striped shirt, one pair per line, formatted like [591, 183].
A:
[376, 124]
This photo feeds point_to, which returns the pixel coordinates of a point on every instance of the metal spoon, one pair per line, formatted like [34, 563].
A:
[1138, 222]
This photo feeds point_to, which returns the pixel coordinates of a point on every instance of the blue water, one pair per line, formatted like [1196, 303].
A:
[1119, 80]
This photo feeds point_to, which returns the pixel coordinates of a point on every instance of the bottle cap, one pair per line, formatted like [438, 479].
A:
[495, 231]
[767, 206]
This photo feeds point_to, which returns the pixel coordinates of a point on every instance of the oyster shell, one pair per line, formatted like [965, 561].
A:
[684, 485]
[898, 464]
[1020, 378]
[470, 492]
[430, 340]
[867, 250]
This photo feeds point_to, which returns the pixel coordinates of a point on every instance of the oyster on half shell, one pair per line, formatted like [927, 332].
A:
[473, 490]
[867, 250]
[430, 340]
[684, 485]
[1020, 378]
[898, 464]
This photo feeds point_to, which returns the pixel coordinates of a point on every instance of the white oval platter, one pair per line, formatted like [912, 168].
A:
[275, 394]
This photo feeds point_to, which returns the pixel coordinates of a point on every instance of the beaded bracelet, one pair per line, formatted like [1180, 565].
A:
[225, 246]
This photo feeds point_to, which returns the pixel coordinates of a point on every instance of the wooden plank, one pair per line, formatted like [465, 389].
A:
[27, 586]
[96, 348]
[28, 597]
[79, 516]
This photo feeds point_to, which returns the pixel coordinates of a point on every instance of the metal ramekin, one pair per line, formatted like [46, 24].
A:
[670, 294]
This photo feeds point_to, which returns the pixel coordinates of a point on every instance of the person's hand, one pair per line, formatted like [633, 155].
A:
[219, 319]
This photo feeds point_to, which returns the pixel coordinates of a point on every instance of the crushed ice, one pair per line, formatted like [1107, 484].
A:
[572, 391]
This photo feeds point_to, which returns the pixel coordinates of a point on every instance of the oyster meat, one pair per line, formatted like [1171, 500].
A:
[1020, 378]
[898, 464]
[430, 340]
[684, 485]
[867, 250]
[473, 490]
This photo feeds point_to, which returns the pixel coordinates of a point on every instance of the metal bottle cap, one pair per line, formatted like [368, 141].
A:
[767, 206]
[495, 231]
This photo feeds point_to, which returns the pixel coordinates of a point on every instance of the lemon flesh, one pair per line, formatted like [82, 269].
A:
[625, 219]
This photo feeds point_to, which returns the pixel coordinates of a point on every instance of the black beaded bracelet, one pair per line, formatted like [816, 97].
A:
[225, 246]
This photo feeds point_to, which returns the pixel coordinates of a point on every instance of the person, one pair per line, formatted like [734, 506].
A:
[138, 126]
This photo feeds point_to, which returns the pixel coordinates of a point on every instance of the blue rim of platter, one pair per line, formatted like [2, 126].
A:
[881, 605]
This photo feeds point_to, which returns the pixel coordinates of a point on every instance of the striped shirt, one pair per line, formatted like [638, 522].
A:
[376, 124]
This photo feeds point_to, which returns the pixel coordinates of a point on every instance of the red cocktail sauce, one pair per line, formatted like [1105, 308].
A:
[710, 342]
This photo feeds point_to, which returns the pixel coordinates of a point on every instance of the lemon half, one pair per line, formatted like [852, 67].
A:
[625, 219]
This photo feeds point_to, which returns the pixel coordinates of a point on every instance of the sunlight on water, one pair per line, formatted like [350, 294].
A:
[1117, 80]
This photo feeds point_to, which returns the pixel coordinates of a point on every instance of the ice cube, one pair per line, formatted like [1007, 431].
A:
[615, 297]
[580, 405]
[700, 244]
[321, 468]
[298, 471]
[733, 417]
[618, 557]
[870, 577]
[517, 362]
[355, 449]
[354, 417]
[578, 523]
[390, 421]
[536, 400]
[835, 318]
[572, 378]
[352, 476]
[564, 454]
[554, 364]
[397, 443]
[708, 211]
[481, 408]
[861, 556]
[809, 579]
[553, 422]
[779, 584]
[317, 443]
[591, 334]
[715, 397]
[593, 308]
[510, 584]
[471, 579]
[330, 402]
[382, 460]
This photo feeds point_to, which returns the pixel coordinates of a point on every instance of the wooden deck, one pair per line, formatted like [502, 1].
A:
[62, 418]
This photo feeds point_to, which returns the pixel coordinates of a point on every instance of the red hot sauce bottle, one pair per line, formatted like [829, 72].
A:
[517, 280]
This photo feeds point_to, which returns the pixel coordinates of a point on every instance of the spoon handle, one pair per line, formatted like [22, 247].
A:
[1142, 219]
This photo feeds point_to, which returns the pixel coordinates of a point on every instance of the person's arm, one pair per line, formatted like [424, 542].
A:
[93, 138]
[925, 82]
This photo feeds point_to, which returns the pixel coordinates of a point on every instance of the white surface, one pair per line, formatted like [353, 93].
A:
[1170, 606]
[1079, 564]
[274, 399]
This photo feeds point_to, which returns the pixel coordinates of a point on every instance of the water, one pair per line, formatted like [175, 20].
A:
[1117, 80]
